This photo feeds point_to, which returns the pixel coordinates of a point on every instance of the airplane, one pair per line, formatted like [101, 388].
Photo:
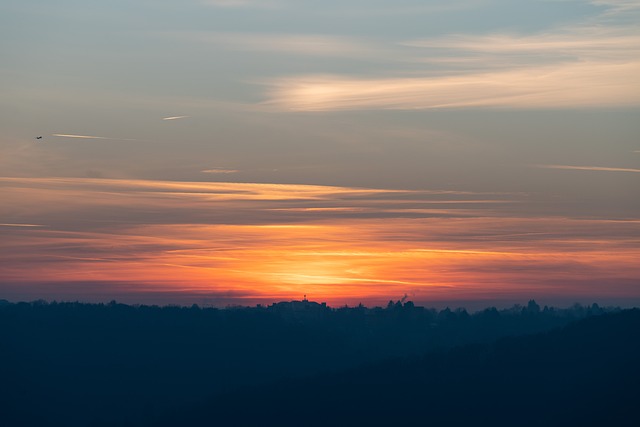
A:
[38, 137]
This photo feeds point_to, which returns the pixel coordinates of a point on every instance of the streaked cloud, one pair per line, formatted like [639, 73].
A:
[62, 135]
[578, 42]
[585, 65]
[240, 192]
[219, 170]
[589, 168]
[557, 86]
[269, 241]
[618, 6]
[174, 117]
[432, 203]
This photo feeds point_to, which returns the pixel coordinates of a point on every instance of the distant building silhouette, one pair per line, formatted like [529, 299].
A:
[304, 309]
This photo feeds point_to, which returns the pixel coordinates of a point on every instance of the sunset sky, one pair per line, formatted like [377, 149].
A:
[249, 151]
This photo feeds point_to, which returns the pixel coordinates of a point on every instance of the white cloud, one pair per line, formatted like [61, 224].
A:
[594, 64]
[588, 168]
[63, 135]
[582, 42]
[174, 117]
[618, 6]
[570, 85]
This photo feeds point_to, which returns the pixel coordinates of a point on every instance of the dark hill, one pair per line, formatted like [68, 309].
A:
[586, 373]
[76, 365]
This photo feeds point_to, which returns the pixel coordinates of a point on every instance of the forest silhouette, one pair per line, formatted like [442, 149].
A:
[303, 363]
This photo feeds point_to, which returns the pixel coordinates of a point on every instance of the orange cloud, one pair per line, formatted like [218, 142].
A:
[258, 242]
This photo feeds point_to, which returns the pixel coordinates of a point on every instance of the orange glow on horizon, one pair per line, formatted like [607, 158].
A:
[277, 255]
[333, 262]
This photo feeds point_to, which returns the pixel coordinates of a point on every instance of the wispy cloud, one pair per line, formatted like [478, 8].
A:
[276, 241]
[593, 64]
[618, 6]
[570, 85]
[219, 170]
[62, 135]
[584, 43]
[589, 168]
[174, 117]
[220, 191]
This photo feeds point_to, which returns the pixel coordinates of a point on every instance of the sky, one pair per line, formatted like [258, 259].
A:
[225, 152]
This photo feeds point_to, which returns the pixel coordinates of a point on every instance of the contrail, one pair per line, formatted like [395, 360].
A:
[588, 168]
[175, 117]
[63, 135]
[21, 225]
[219, 170]
[79, 136]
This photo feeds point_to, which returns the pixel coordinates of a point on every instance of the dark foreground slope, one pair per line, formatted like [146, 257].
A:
[584, 374]
[72, 364]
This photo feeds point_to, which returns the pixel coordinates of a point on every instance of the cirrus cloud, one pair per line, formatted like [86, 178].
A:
[571, 85]
[589, 64]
